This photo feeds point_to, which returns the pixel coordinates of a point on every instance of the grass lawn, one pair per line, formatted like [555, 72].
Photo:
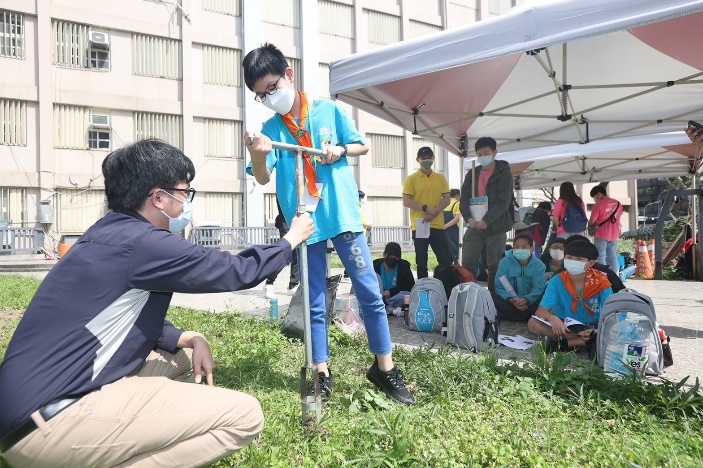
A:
[470, 411]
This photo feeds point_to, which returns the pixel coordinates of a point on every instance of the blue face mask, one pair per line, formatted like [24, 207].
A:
[521, 254]
[485, 160]
[176, 225]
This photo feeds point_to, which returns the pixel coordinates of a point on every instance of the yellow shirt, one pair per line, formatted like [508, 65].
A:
[426, 190]
[453, 207]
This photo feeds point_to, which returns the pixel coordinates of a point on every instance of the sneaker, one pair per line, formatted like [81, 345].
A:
[293, 289]
[346, 279]
[269, 293]
[325, 386]
[552, 345]
[392, 383]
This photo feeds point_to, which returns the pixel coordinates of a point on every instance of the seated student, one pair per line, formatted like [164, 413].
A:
[553, 258]
[525, 274]
[577, 293]
[613, 277]
[395, 272]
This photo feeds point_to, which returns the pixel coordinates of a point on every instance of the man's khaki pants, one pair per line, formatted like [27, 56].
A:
[145, 419]
[471, 251]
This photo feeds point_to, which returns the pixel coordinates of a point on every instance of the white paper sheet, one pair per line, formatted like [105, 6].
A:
[516, 342]
[422, 229]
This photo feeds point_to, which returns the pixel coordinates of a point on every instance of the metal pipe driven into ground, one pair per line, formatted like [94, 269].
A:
[309, 404]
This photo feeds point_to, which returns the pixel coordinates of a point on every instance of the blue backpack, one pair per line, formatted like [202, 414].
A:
[575, 219]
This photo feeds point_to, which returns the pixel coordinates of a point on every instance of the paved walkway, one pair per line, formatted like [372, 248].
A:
[679, 307]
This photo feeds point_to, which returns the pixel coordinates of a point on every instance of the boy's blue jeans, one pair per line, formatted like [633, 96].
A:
[356, 257]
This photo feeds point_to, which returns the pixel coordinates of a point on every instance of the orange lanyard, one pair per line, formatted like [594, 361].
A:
[302, 135]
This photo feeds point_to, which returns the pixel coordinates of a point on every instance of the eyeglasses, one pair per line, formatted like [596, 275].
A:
[190, 192]
[270, 91]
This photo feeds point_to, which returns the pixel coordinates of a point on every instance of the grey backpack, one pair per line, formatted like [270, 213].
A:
[428, 302]
[471, 318]
[630, 301]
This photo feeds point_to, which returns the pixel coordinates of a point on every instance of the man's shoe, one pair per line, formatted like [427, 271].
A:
[552, 345]
[325, 386]
[392, 383]
[293, 289]
[269, 293]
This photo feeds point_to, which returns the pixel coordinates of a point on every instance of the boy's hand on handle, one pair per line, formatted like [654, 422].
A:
[331, 154]
[300, 229]
[258, 146]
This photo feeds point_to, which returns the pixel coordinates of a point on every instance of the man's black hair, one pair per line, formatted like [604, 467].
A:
[393, 248]
[581, 248]
[258, 63]
[133, 171]
[454, 192]
[425, 151]
[598, 189]
[529, 239]
[485, 141]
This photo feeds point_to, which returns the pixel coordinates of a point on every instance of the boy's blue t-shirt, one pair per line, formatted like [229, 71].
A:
[338, 211]
[389, 279]
[558, 300]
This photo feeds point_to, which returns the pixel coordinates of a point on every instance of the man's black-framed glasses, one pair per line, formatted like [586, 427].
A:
[190, 192]
[270, 91]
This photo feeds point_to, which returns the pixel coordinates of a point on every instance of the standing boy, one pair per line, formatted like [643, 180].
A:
[426, 193]
[606, 213]
[331, 198]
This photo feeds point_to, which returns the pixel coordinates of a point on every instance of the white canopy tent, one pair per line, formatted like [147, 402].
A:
[638, 157]
[550, 72]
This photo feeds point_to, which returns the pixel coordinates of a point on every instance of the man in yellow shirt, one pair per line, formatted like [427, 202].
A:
[426, 193]
[452, 223]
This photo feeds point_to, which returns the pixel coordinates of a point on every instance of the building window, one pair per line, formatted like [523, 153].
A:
[156, 56]
[223, 138]
[297, 67]
[11, 34]
[80, 46]
[440, 154]
[224, 209]
[388, 210]
[387, 151]
[383, 28]
[283, 12]
[226, 7]
[81, 127]
[499, 7]
[13, 122]
[166, 127]
[335, 19]
[418, 28]
[78, 209]
[221, 66]
[324, 80]
[13, 206]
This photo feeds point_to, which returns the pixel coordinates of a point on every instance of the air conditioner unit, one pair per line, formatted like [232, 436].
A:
[100, 120]
[99, 39]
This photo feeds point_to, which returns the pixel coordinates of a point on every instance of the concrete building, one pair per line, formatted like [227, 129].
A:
[79, 78]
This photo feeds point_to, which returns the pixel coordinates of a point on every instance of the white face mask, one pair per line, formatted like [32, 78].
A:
[574, 267]
[556, 254]
[176, 225]
[485, 160]
[281, 101]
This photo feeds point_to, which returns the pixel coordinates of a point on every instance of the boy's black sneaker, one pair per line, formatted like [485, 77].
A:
[553, 345]
[325, 386]
[392, 383]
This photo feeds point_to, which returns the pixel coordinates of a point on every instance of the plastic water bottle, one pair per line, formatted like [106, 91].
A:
[273, 309]
[424, 315]
[628, 348]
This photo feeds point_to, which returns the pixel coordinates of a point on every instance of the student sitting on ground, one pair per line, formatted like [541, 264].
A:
[553, 258]
[524, 274]
[395, 272]
[613, 277]
[577, 293]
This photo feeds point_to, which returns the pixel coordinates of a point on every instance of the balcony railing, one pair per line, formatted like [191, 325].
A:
[21, 240]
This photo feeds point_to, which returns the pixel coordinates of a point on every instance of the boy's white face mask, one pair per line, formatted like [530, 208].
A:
[574, 267]
[281, 101]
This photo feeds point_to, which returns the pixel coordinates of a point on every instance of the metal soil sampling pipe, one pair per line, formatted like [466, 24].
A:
[309, 403]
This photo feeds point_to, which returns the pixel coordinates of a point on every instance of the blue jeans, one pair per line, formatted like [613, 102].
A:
[354, 254]
[607, 252]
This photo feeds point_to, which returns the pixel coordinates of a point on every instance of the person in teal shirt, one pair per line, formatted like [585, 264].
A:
[578, 293]
[396, 274]
[524, 274]
[331, 198]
